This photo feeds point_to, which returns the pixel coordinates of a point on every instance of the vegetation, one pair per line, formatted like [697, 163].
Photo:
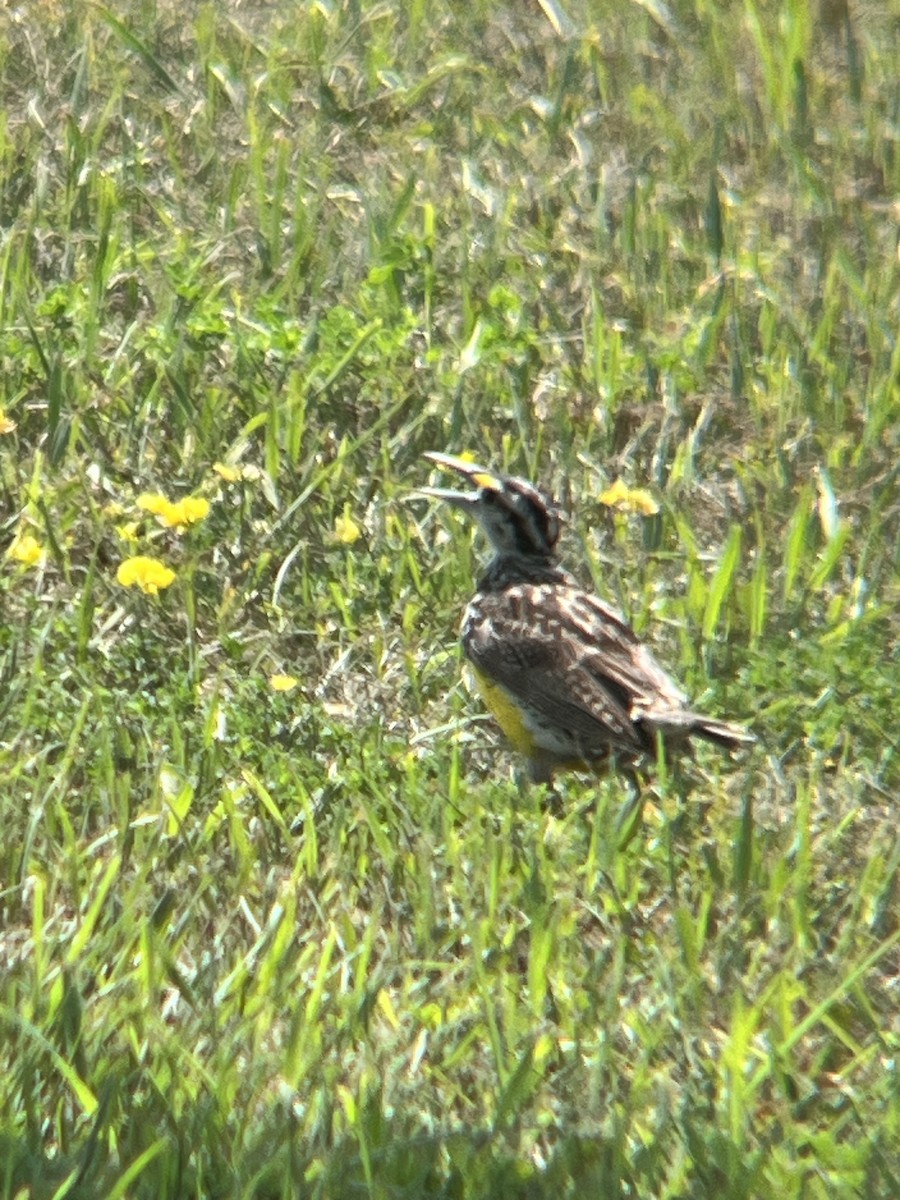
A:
[276, 917]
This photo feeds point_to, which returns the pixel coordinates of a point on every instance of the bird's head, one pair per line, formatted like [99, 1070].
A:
[517, 517]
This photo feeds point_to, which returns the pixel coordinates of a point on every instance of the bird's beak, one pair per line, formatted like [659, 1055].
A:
[465, 500]
[480, 477]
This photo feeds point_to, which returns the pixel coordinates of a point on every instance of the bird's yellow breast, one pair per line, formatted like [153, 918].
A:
[506, 713]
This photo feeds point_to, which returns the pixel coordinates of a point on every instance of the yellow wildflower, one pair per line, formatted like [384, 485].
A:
[192, 509]
[232, 472]
[185, 512]
[346, 530]
[25, 549]
[7, 425]
[153, 502]
[128, 531]
[632, 500]
[282, 683]
[227, 471]
[149, 574]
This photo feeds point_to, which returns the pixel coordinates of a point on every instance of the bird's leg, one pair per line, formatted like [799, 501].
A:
[540, 770]
[631, 816]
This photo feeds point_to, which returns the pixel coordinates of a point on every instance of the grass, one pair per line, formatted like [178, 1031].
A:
[318, 941]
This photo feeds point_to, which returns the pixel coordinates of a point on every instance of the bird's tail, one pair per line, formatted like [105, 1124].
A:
[722, 733]
[679, 724]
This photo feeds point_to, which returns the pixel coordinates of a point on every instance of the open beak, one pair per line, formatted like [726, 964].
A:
[480, 477]
[456, 499]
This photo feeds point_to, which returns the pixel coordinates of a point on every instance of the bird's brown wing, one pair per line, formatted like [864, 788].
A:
[607, 640]
[570, 660]
[588, 715]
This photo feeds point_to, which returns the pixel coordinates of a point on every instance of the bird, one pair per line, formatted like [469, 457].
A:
[565, 676]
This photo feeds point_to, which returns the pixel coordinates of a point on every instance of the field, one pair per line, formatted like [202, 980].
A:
[279, 916]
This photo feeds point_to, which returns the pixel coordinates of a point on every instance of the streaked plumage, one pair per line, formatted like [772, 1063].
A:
[567, 678]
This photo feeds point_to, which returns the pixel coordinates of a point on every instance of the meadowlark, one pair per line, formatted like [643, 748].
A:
[565, 676]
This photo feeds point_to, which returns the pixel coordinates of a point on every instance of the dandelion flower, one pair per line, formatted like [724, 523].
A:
[346, 530]
[188, 511]
[128, 531]
[7, 425]
[148, 574]
[153, 502]
[632, 500]
[25, 549]
[227, 471]
[192, 509]
[234, 472]
[282, 683]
